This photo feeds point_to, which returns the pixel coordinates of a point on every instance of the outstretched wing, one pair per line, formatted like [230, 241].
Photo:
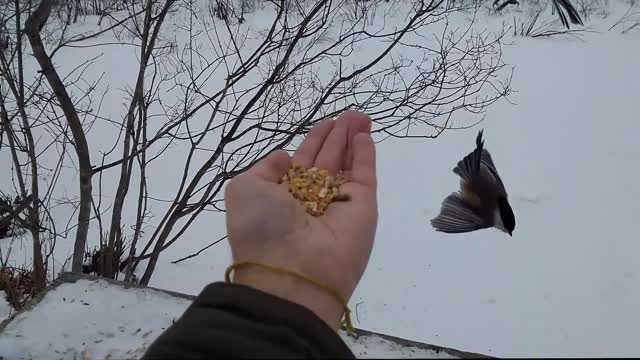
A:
[488, 162]
[456, 216]
[469, 167]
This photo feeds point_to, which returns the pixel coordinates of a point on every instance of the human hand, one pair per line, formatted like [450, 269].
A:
[266, 224]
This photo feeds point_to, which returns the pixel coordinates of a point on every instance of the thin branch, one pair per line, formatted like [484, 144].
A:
[199, 251]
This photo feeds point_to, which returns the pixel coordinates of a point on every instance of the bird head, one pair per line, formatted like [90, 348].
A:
[507, 218]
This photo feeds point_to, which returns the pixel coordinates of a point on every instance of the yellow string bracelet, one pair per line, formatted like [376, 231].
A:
[346, 322]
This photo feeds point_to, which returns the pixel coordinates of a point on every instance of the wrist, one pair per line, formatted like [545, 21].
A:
[302, 292]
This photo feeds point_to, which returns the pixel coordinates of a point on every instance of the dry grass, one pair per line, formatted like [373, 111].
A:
[18, 285]
[630, 21]
[531, 26]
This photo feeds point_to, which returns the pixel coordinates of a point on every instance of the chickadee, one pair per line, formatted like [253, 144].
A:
[481, 202]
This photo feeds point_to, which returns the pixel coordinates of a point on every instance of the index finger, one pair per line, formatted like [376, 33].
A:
[272, 167]
[307, 152]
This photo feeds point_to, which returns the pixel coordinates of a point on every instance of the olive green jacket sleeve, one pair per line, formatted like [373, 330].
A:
[229, 320]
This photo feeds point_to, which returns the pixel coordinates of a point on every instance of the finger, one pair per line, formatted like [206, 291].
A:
[307, 152]
[363, 170]
[272, 167]
[332, 154]
[358, 123]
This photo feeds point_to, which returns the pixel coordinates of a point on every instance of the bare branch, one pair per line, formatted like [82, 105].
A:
[199, 251]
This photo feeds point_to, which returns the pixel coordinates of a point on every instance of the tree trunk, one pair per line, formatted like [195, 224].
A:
[33, 25]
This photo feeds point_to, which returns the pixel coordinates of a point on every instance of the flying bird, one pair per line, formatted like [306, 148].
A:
[482, 201]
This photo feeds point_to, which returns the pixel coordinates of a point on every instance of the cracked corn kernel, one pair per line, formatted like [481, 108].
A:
[314, 188]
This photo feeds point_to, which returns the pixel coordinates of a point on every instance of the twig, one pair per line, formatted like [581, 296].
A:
[199, 251]
[357, 317]
[549, 33]
[623, 18]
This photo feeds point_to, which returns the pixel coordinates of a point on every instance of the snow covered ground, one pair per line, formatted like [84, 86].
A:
[567, 284]
[74, 321]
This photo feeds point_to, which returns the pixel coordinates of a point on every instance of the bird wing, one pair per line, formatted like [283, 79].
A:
[456, 216]
[469, 167]
[488, 162]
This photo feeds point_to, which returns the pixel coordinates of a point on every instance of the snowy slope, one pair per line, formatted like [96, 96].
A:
[78, 320]
[566, 284]
[98, 320]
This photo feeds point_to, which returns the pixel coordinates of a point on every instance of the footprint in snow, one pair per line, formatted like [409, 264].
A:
[529, 200]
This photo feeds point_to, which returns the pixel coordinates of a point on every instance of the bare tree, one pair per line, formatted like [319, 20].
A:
[13, 79]
[32, 132]
[75, 111]
[302, 71]
[33, 25]
[232, 92]
[136, 112]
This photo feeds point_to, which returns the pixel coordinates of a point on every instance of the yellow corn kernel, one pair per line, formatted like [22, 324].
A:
[314, 188]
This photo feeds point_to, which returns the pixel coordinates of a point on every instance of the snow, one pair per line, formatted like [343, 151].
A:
[90, 319]
[567, 282]
[94, 319]
[375, 347]
[5, 308]
[565, 285]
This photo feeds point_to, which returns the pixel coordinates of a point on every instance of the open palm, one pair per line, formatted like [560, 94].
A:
[266, 224]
